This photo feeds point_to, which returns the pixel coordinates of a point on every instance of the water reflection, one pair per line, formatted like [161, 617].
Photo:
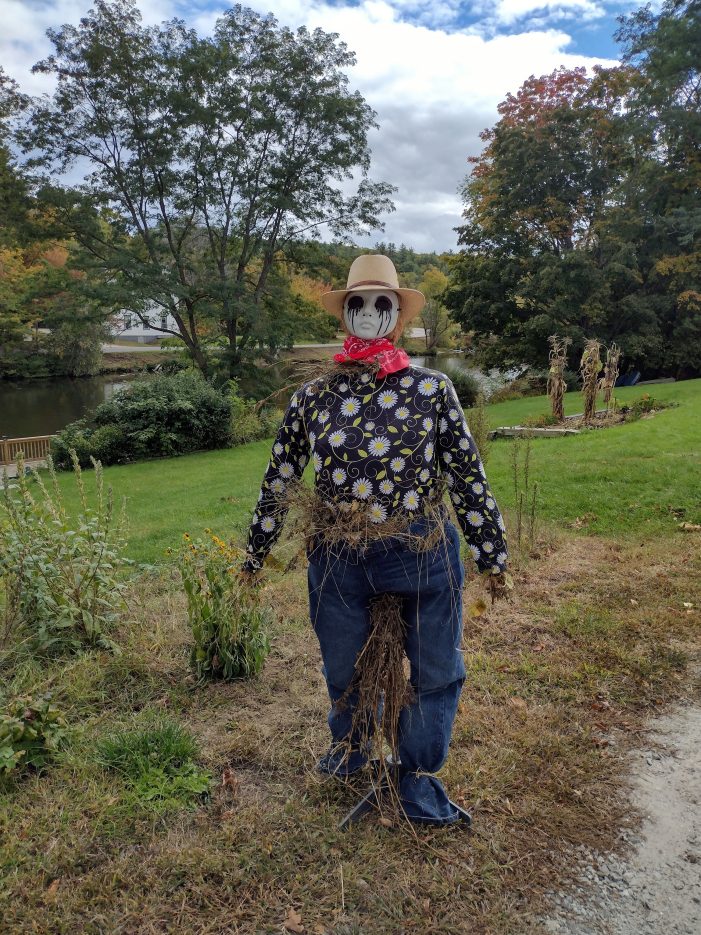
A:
[489, 381]
[42, 407]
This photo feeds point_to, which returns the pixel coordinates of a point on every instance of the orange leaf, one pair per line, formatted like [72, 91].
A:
[293, 922]
[52, 889]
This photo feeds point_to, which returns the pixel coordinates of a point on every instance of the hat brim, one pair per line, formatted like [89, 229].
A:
[411, 301]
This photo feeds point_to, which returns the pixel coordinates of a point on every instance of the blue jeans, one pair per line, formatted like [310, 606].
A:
[342, 581]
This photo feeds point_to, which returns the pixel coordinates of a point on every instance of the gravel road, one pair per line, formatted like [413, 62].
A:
[656, 888]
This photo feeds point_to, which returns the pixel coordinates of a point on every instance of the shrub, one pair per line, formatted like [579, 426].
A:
[60, 574]
[467, 386]
[31, 731]
[109, 444]
[248, 422]
[245, 418]
[479, 427]
[637, 408]
[542, 421]
[229, 625]
[157, 762]
[77, 347]
[74, 437]
[161, 416]
[270, 421]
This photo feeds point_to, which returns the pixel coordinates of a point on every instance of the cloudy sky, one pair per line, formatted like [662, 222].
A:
[434, 73]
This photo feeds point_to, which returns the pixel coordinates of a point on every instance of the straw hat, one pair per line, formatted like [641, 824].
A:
[371, 272]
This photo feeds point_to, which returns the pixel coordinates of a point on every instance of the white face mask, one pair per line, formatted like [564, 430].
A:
[371, 314]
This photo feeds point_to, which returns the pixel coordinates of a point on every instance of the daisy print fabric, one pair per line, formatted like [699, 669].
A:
[386, 442]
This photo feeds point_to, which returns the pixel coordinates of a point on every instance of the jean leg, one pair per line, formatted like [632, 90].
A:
[339, 596]
[424, 736]
[433, 612]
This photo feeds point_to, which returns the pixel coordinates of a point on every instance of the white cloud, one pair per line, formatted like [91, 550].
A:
[509, 11]
[434, 87]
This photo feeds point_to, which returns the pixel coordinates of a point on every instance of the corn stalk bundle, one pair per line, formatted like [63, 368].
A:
[589, 368]
[556, 374]
[611, 369]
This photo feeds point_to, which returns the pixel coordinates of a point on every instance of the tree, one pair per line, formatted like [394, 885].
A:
[665, 111]
[208, 158]
[540, 255]
[582, 213]
[434, 316]
[15, 201]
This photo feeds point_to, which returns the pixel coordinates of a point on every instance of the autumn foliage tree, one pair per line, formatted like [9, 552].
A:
[581, 213]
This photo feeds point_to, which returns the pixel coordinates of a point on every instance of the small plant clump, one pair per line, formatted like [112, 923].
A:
[32, 729]
[643, 405]
[229, 624]
[60, 574]
[158, 764]
[525, 493]
[542, 421]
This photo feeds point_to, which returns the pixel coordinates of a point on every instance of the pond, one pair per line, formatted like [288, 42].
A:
[42, 407]
[489, 381]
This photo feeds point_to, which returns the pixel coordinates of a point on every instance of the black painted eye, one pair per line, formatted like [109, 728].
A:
[355, 303]
[383, 304]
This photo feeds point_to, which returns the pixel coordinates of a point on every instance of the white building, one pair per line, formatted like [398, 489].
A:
[129, 327]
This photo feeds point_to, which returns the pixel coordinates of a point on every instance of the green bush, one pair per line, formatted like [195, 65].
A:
[248, 422]
[157, 417]
[245, 418]
[270, 422]
[74, 437]
[31, 731]
[157, 763]
[637, 408]
[478, 423]
[60, 575]
[108, 443]
[466, 385]
[229, 624]
[542, 421]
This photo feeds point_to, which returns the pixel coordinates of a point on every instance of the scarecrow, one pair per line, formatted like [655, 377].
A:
[387, 441]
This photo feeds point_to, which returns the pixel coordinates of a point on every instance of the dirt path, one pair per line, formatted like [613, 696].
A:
[655, 887]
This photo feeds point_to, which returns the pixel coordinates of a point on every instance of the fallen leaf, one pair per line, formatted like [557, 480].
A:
[687, 604]
[385, 822]
[478, 608]
[517, 703]
[229, 780]
[320, 929]
[634, 602]
[426, 905]
[293, 922]
[690, 527]
[52, 889]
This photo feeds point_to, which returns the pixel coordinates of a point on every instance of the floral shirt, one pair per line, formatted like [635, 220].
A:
[384, 441]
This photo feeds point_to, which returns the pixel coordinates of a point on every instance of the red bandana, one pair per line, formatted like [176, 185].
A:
[391, 358]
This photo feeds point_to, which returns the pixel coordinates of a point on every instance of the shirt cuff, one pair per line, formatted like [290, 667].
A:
[253, 563]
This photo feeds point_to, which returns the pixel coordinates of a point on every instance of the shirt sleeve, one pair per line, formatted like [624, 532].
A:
[287, 462]
[477, 511]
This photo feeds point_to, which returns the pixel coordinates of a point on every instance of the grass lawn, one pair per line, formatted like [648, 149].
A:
[633, 480]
